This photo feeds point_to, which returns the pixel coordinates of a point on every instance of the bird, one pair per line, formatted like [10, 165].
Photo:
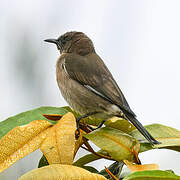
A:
[86, 83]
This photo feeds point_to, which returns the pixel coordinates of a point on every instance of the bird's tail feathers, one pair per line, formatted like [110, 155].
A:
[142, 130]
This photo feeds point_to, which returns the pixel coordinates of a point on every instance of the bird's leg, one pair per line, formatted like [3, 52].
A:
[78, 121]
[84, 116]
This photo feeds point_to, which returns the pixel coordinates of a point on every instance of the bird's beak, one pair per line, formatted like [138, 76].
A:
[55, 41]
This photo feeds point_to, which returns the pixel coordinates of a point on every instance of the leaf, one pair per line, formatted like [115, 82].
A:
[86, 159]
[43, 162]
[21, 141]
[125, 172]
[61, 172]
[50, 148]
[53, 117]
[28, 116]
[89, 158]
[152, 175]
[59, 145]
[120, 146]
[168, 136]
[90, 169]
[120, 123]
[111, 174]
[139, 167]
[114, 168]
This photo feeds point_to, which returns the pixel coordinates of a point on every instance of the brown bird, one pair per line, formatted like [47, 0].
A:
[86, 83]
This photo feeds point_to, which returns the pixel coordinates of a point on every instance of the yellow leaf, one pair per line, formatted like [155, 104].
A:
[59, 146]
[21, 141]
[61, 172]
[137, 167]
[49, 147]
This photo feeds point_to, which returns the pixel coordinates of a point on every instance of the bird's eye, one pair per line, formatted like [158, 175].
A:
[67, 38]
[63, 41]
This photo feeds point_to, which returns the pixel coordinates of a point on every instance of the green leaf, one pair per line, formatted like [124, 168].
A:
[168, 136]
[90, 168]
[120, 123]
[28, 116]
[152, 175]
[115, 169]
[43, 162]
[118, 145]
[86, 159]
[89, 158]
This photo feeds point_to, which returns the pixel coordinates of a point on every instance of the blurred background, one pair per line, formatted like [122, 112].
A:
[138, 40]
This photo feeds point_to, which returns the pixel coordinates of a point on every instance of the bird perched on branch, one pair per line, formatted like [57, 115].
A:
[86, 83]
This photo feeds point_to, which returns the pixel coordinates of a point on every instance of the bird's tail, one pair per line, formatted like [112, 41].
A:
[142, 130]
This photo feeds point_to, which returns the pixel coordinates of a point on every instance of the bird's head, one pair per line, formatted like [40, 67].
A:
[73, 42]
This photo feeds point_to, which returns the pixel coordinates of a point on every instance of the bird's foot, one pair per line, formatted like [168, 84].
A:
[77, 132]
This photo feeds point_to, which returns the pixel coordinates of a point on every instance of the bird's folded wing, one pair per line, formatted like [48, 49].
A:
[91, 72]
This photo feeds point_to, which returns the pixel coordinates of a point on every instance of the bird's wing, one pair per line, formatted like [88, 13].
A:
[91, 72]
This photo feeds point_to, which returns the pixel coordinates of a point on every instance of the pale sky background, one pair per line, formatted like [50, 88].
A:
[138, 40]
